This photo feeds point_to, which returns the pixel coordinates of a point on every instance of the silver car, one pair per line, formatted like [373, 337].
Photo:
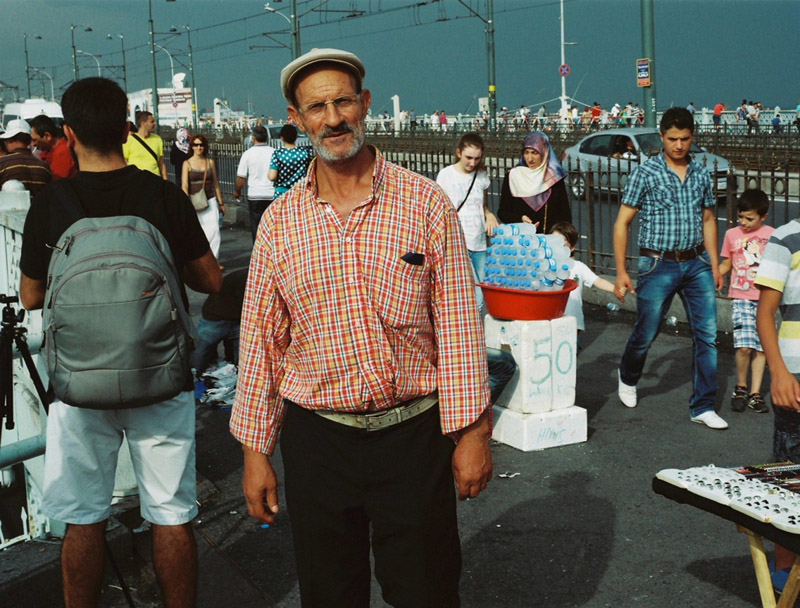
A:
[609, 156]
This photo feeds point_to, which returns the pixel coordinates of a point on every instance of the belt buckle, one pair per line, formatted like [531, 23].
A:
[684, 255]
[375, 422]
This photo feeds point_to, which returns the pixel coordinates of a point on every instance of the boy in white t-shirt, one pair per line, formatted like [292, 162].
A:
[465, 182]
[741, 254]
[580, 273]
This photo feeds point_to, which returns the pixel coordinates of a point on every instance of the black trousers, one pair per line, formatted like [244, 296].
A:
[256, 207]
[340, 481]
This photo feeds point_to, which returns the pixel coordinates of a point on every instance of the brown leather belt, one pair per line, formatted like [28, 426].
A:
[681, 255]
[384, 419]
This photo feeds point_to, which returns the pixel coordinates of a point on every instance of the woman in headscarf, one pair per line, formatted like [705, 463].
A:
[534, 191]
[179, 153]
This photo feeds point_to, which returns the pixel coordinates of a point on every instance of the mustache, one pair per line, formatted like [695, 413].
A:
[339, 129]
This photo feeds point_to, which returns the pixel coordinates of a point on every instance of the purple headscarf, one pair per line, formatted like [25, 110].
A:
[533, 185]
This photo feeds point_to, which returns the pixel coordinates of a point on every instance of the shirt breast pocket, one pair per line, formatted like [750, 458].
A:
[402, 292]
[662, 197]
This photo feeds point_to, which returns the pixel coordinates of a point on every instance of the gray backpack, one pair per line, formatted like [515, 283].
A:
[117, 334]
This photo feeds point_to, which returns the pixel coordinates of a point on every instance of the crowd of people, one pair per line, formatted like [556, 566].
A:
[358, 325]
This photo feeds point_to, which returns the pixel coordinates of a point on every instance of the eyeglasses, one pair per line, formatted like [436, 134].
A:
[342, 104]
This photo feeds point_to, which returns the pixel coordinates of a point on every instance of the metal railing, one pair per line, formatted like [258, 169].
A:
[769, 162]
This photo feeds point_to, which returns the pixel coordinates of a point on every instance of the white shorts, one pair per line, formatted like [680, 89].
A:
[81, 460]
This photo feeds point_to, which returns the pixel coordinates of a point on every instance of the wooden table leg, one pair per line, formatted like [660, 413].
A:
[792, 587]
[762, 568]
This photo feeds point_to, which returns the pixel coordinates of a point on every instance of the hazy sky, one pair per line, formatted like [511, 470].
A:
[433, 56]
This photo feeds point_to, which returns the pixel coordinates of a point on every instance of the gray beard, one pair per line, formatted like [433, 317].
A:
[325, 155]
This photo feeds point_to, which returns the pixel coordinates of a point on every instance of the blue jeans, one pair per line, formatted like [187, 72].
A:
[659, 281]
[209, 335]
[501, 370]
[478, 259]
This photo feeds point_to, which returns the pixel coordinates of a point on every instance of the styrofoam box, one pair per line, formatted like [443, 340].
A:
[528, 432]
[546, 361]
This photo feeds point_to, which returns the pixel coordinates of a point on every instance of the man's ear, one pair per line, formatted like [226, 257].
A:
[127, 131]
[69, 135]
[296, 117]
[366, 99]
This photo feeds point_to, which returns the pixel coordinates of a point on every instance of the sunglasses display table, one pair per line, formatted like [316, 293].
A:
[761, 500]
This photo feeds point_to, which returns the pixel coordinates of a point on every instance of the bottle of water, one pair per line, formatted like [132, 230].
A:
[562, 274]
[613, 306]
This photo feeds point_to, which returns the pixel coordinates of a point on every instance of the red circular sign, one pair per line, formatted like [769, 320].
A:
[563, 69]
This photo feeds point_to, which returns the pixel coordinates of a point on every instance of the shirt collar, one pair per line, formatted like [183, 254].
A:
[378, 173]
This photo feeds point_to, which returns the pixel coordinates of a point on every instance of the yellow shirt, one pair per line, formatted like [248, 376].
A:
[135, 153]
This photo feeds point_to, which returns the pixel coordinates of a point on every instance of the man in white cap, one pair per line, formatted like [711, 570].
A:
[360, 340]
[20, 163]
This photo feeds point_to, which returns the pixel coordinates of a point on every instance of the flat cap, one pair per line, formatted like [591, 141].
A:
[348, 60]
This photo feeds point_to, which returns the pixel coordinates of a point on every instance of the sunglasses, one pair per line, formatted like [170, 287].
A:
[197, 145]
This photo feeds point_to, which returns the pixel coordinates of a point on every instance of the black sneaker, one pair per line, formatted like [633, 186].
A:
[739, 398]
[756, 403]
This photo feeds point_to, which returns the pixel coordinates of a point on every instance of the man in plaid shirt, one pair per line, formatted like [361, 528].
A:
[677, 255]
[361, 341]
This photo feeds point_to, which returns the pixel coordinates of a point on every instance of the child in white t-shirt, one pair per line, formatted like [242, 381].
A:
[580, 273]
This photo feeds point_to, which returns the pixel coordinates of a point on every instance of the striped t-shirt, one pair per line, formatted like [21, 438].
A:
[780, 270]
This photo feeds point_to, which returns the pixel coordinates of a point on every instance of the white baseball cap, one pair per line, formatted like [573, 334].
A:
[15, 127]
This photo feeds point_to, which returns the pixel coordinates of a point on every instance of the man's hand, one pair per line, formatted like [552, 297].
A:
[260, 486]
[784, 390]
[622, 285]
[472, 460]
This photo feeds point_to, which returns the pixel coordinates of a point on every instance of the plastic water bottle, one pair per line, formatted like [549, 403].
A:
[613, 306]
[562, 274]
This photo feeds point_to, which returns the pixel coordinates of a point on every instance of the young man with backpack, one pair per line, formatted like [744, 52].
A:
[133, 233]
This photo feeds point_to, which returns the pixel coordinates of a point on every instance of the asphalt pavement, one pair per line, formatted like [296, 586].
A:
[577, 525]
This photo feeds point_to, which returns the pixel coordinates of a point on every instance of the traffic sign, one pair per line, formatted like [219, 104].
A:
[563, 69]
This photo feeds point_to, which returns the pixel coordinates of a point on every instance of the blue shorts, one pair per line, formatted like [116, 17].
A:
[743, 315]
[81, 460]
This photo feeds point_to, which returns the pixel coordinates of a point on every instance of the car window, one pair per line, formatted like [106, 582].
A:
[649, 143]
[600, 145]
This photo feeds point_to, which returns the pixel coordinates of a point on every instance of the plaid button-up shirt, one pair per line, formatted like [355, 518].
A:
[359, 314]
[670, 211]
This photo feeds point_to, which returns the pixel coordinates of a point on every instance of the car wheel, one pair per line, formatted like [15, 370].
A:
[577, 184]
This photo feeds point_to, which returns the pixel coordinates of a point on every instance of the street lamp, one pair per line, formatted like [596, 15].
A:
[96, 60]
[27, 68]
[563, 62]
[124, 68]
[52, 90]
[191, 72]
[171, 65]
[489, 21]
[293, 25]
[74, 56]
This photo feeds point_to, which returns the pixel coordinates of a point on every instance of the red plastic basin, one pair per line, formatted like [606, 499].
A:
[520, 305]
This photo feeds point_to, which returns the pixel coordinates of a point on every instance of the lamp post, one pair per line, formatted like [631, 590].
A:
[96, 60]
[124, 67]
[563, 62]
[293, 25]
[52, 90]
[191, 74]
[74, 55]
[489, 21]
[27, 68]
[153, 57]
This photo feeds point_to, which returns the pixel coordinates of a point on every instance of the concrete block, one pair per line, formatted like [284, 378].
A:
[545, 354]
[539, 431]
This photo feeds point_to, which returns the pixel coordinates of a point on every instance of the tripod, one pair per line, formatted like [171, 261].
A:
[11, 333]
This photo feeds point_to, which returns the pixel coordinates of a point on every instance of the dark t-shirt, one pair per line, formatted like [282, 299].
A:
[107, 194]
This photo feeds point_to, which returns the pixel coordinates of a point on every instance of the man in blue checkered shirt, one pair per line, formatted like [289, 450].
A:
[677, 255]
